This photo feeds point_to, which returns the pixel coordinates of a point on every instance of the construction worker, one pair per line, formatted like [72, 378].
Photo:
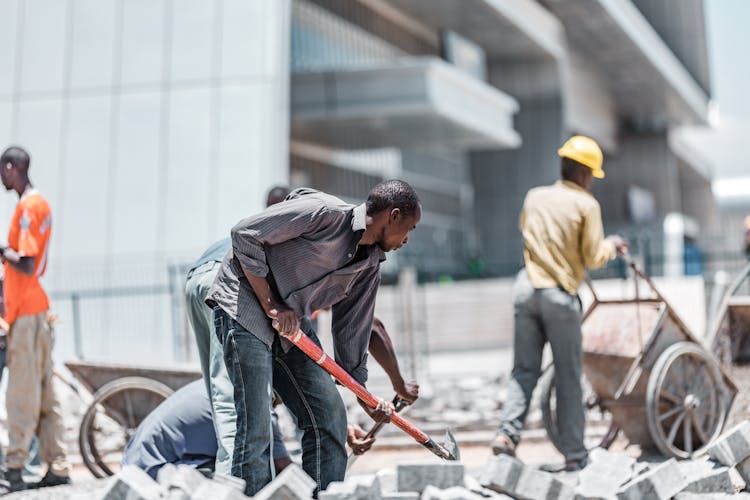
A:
[32, 404]
[562, 232]
[313, 251]
[200, 277]
[181, 431]
[747, 237]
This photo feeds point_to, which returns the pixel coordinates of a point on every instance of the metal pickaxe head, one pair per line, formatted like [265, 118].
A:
[447, 451]
[451, 446]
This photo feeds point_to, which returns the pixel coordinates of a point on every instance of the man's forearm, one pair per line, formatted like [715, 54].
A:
[21, 264]
[263, 291]
[381, 348]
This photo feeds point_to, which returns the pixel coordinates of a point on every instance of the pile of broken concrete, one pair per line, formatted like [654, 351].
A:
[722, 473]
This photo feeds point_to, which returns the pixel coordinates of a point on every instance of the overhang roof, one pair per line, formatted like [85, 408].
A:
[410, 102]
[650, 85]
[504, 28]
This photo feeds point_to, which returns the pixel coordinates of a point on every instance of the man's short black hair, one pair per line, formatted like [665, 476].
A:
[277, 194]
[392, 194]
[16, 156]
[570, 170]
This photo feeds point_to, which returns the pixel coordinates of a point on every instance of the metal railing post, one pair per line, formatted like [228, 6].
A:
[75, 300]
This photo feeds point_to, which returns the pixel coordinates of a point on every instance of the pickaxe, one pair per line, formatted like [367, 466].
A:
[399, 404]
[448, 451]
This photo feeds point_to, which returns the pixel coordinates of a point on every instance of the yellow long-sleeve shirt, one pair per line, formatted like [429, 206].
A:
[563, 235]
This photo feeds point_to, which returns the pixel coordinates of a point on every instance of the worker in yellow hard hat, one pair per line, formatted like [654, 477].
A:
[562, 232]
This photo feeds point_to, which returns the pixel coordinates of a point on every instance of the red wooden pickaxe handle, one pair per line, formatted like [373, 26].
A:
[317, 354]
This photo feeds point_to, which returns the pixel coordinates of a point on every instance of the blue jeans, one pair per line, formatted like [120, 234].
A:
[211, 355]
[307, 391]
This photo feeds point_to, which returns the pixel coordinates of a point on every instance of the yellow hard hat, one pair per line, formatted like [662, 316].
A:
[585, 151]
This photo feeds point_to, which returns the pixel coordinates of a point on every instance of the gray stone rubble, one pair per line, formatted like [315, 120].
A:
[720, 474]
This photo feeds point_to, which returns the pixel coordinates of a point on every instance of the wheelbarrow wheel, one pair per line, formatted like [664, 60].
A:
[685, 410]
[112, 418]
[548, 404]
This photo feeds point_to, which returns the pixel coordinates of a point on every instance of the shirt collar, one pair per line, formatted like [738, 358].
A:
[359, 221]
[28, 192]
[571, 185]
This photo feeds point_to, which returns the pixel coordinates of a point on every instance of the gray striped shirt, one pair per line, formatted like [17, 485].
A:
[308, 249]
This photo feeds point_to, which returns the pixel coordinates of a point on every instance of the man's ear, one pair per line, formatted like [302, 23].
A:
[395, 214]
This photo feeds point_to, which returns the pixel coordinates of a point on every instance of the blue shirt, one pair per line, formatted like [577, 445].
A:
[181, 431]
[214, 253]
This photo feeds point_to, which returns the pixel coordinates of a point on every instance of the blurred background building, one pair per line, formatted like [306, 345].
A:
[154, 125]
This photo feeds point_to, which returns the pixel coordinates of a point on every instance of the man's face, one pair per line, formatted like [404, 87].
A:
[7, 175]
[396, 231]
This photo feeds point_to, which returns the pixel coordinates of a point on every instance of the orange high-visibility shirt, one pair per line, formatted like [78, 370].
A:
[29, 234]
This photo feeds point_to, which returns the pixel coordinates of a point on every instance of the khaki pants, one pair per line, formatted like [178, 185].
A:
[33, 407]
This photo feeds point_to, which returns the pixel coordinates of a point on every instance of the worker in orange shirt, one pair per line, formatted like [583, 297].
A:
[33, 407]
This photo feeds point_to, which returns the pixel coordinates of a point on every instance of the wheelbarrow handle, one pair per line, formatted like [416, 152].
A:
[317, 354]
[640, 274]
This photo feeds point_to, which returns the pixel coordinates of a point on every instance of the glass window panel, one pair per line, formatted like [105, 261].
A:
[249, 147]
[189, 166]
[136, 169]
[142, 42]
[85, 206]
[243, 40]
[192, 42]
[43, 45]
[8, 35]
[93, 43]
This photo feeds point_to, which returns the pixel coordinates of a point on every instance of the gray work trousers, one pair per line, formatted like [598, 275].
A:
[546, 315]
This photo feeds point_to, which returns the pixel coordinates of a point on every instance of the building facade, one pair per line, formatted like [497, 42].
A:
[154, 125]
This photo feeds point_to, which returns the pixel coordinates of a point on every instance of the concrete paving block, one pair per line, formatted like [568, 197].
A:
[354, 488]
[712, 496]
[131, 483]
[405, 495]
[534, 483]
[743, 469]
[501, 474]
[472, 484]
[733, 446]
[604, 474]
[182, 477]
[454, 493]
[218, 491]
[738, 480]
[704, 476]
[231, 481]
[292, 484]
[387, 479]
[660, 483]
[417, 476]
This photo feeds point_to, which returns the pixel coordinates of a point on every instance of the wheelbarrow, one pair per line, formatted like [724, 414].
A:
[729, 335]
[645, 368]
[123, 395]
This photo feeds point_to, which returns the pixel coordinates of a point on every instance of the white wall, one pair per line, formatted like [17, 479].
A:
[153, 126]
